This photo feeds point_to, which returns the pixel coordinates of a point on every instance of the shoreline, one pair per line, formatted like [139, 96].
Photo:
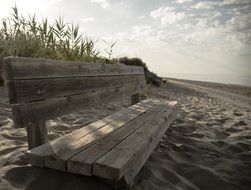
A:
[239, 80]
[232, 97]
[241, 89]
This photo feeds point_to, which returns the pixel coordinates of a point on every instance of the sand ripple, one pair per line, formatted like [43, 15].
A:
[207, 147]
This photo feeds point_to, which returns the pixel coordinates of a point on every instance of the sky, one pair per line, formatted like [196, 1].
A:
[195, 38]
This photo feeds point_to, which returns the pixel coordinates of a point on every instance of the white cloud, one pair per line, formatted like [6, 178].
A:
[55, 1]
[167, 15]
[239, 28]
[210, 19]
[103, 3]
[88, 19]
[206, 5]
[213, 4]
[206, 29]
[238, 9]
[216, 14]
[141, 32]
[236, 2]
[183, 1]
[161, 11]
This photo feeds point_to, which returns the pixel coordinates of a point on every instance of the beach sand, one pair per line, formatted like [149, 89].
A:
[207, 147]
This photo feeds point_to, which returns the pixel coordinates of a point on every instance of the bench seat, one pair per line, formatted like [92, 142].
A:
[113, 148]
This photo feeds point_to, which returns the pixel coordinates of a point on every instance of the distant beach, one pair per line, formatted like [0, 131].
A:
[244, 80]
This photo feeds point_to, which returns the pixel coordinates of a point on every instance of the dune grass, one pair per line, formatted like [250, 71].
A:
[31, 37]
[151, 77]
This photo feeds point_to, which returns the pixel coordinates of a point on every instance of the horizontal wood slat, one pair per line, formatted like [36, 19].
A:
[59, 160]
[106, 148]
[126, 159]
[82, 163]
[39, 89]
[28, 68]
[24, 113]
[69, 143]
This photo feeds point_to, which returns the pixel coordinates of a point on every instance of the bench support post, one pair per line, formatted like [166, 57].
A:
[135, 98]
[37, 134]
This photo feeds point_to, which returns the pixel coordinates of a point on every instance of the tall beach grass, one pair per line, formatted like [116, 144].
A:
[30, 37]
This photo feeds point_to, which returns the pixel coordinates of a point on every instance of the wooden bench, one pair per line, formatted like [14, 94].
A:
[113, 148]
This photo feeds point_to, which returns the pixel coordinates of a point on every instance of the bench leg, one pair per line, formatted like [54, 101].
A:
[37, 134]
[135, 99]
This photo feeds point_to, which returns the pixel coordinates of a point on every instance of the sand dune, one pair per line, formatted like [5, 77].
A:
[207, 147]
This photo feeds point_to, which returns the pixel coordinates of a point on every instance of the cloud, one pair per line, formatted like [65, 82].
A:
[183, 1]
[182, 35]
[208, 20]
[103, 3]
[235, 2]
[161, 11]
[239, 28]
[167, 15]
[240, 22]
[55, 1]
[209, 27]
[206, 5]
[88, 19]
[142, 17]
[141, 32]
[213, 4]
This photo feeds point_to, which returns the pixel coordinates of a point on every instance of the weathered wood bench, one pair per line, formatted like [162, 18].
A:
[113, 148]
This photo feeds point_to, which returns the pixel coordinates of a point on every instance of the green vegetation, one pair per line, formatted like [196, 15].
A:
[151, 78]
[33, 38]
[30, 37]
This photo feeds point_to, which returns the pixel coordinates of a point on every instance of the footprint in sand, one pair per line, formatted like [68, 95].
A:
[240, 123]
[223, 120]
[232, 149]
[219, 143]
[178, 121]
[195, 135]
[232, 130]
[221, 135]
[19, 136]
[237, 114]
[56, 126]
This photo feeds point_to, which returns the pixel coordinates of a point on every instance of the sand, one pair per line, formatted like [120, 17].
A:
[208, 146]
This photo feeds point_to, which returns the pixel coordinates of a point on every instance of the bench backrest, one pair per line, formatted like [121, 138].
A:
[41, 89]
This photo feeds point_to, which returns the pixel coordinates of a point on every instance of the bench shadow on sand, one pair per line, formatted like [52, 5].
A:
[30, 178]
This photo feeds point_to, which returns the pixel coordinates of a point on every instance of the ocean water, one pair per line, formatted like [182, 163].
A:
[225, 79]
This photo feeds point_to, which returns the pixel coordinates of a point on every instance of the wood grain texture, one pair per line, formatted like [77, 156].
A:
[150, 145]
[38, 89]
[135, 98]
[127, 158]
[50, 108]
[37, 134]
[77, 146]
[113, 148]
[36, 156]
[28, 68]
[82, 163]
